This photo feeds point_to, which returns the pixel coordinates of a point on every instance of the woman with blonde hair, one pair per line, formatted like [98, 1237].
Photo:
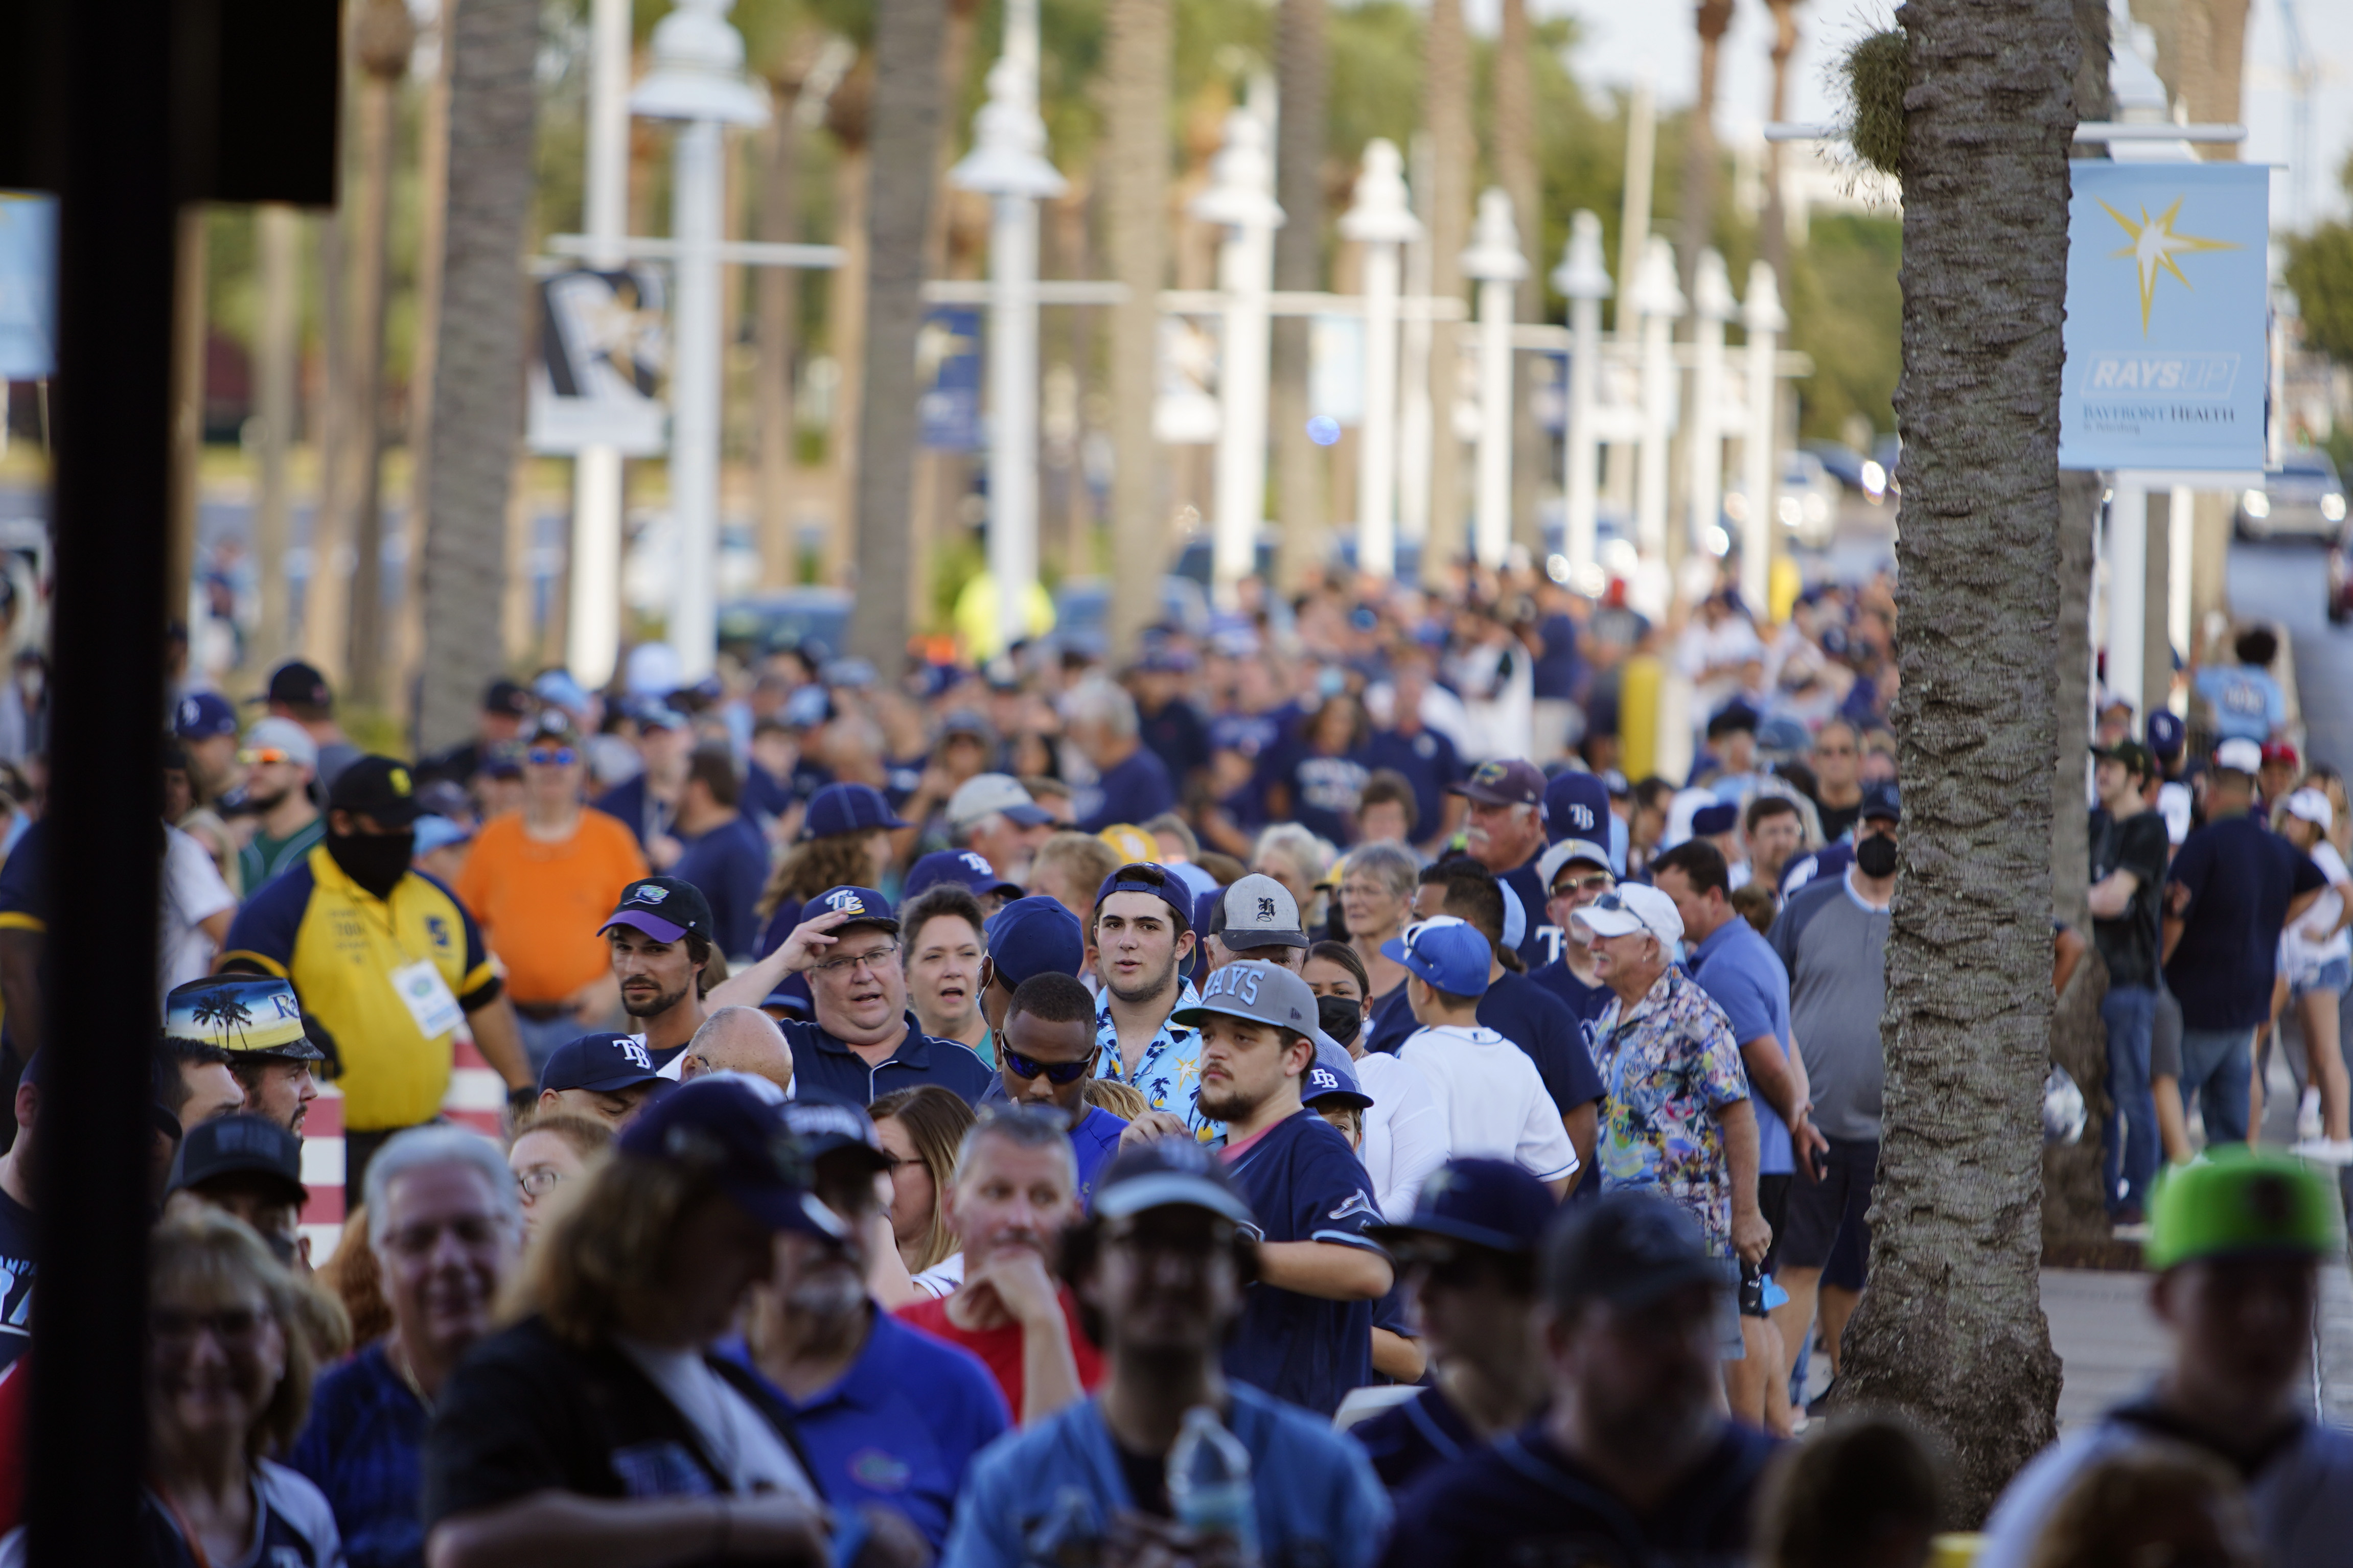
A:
[920, 1129]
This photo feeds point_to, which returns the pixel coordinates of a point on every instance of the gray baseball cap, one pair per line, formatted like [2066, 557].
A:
[1262, 993]
[986, 794]
[1257, 912]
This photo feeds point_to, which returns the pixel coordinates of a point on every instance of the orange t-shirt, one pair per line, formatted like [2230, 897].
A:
[540, 904]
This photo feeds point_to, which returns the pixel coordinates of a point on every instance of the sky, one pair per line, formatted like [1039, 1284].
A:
[1625, 40]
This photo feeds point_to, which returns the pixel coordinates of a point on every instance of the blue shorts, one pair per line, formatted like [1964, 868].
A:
[2334, 976]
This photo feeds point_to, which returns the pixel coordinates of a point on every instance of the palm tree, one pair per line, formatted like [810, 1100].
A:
[1775, 240]
[903, 169]
[1515, 171]
[383, 35]
[1712, 18]
[1951, 1329]
[477, 384]
[1301, 72]
[1446, 112]
[1139, 41]
[277, 358]
[776, 290]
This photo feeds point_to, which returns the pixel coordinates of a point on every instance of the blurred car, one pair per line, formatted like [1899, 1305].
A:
[1805, 502]
[788, 618]
[1082, 610]
[2303, 497]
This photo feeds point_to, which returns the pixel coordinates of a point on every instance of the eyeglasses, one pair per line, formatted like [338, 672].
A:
[1599, 883]
[553, 756]
[255, 756]
[234, 1326]
[1366, 891]
[1053, 1072]
[873, 960]
[539, 1181]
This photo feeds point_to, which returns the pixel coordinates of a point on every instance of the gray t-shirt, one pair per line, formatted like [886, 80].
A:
[1835, 948]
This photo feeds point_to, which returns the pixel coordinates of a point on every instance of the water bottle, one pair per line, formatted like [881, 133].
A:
[1209, 1482]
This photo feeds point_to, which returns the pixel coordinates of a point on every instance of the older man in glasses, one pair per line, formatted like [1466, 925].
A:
[863, 1042]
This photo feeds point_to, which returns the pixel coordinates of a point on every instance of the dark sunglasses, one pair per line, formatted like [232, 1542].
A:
[1053, 1072]
[553, 756]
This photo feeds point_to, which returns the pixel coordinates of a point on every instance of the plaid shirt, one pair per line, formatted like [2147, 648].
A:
[1669, 1066]
[363, 1449]
[1168, 1075]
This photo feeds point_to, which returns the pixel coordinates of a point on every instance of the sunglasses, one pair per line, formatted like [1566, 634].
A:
[257, 755]
[1053, 1072]
[553, 756]
[1599, 883]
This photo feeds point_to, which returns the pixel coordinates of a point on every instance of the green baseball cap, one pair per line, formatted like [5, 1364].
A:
[2237, 1205]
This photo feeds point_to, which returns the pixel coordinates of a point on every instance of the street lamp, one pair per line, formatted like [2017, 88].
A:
[1711, 305]
[1583, 279]
[1494, 260]
[1761, 314]
[1381, 221]
[592, 629]
[1008, 164]
[1659, 301]
[1241, 196]
[697, 79]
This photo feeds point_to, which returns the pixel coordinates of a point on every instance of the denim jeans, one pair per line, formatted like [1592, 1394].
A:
[2214, 1068]
[2128, 1154]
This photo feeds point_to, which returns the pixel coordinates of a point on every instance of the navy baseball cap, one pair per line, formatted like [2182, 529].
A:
[1034, 936]
[298, 685]
[2166, 733]
[723, 1129]
[1733, 715]
[601, 1063]
[664, 907]
[1445, 953]
[827, 1126]
[864, 906]
[379, 788]
[1628, 1248]
[241, 1146]
[1881, 800]
[1488, 1203]
[1151, 877]
[1710, 820]
[847, 808]
[964, 867]
[202, 715]
[1504, 781]
[1170, 1173]
[1259, 992]
[1576, 806]
[1332, 1078]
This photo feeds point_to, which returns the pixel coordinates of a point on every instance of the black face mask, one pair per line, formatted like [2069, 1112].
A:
[376, 861]
[1876, 857]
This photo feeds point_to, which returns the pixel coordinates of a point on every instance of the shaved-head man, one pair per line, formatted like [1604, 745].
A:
[739, 1039]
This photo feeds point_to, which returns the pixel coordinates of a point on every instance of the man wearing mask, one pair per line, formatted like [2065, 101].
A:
[386, 960]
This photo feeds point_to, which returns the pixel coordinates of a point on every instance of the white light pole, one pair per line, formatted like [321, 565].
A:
[1381, 221]
[592, 635]
[1760, 313]
[1658, 301]
[1241, 196]
[1712, 306]
[1494, 260]
[1008, 164]
[697, 80]
[1582, 278]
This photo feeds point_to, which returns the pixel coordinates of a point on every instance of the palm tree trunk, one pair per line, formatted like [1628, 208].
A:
[1138, 48]
[1515, 171]
[364, 391]
[432, 215]
[777, 291]
[1951, 1329]
[1774, 239]
[846, 336]
[1446, 110]
[277, 353]
[1712, 18]
[188, 268]
[901, 169]
[478, 364]
[1301, 77]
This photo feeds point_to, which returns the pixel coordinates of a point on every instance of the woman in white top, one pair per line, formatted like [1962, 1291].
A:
[1404, 1131]
[2316, 959]
[920, 1129]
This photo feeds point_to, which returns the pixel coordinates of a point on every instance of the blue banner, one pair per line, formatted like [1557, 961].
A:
[947, 361]
[28, 286]
[2167, 312]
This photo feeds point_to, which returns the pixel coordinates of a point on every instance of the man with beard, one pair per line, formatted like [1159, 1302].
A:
[1507, 835]
[863, 1042]
[280, 759]
[446, 1225]
[888, 1416]
[1631, 1462]
[658, 938]
[1142, 938]
[386, 959]
[256, 1023]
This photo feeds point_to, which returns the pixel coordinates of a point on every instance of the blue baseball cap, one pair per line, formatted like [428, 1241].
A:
[847, 808]
[1515, 915]
[2166, 735]
[664, 907]
[963, 868]
[1332, 1078]
[723, 1129]
[1502, 781]
[1881, 800]
[1710, 820]
[1034, 936]
[439, 833]
[202, 715]
[864, 906]
[601, 1063]
[1444, 952]
[1576, 806]
[1487, 1203]
[1150, 876]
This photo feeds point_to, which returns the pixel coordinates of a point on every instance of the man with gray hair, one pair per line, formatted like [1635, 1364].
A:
[739, 1039]
[992, 816]
[445, 1220]
[1016, 1190]
[1131, 781]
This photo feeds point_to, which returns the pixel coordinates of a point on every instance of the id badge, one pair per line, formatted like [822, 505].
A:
[429, 997]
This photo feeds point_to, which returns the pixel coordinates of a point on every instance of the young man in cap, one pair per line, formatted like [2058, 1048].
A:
[1163, 1267]
[257, 1022]
[2129, 855]
[658, 944]
[251, 1168]
[1028, 937]
[738, 1040]
[889, 1416]
[1468, 1257]
[498, 723]
[1047, 1053]
[1507, 835]
[1493, 1098]
[386, 959]
[280, 759]
[606, 1077]
[2234, 885]
[537, 878]
[1575, 872]
[2237, 1242]
[205, 726]
[992, 816]
[862, 1042]
[1140, 940]
[299, 693]
[1631, 1459]
[1256, 917]
[1306, 1333]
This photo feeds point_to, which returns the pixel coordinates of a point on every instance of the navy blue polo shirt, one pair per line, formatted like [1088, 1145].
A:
[1303, 1183]
[825, 1069]
[2241, 877]
[729, 866]
[364, 1447]
[902, 1426]
[1407, 1441]
[1741, 973]
[1133, 791]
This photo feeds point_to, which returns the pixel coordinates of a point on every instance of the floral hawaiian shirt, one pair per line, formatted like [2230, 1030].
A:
[1668, 1067]
[1168, 1075]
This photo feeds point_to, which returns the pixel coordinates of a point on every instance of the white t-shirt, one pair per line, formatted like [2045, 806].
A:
[1494, 1101]
[734, 1434]
[2301, 956]
[1405, 1132]
[944, 1277]
[193, 893]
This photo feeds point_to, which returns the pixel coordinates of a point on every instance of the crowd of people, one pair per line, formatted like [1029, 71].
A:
[1293, 1099]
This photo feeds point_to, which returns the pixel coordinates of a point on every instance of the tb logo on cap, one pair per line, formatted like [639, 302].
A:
[977, 864]
[1323, 1078]
[636, 1054]
[649, 895]
[1581, 814]
[844, 900]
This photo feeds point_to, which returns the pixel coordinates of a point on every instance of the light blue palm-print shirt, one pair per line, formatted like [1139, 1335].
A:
[1168, 1074]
